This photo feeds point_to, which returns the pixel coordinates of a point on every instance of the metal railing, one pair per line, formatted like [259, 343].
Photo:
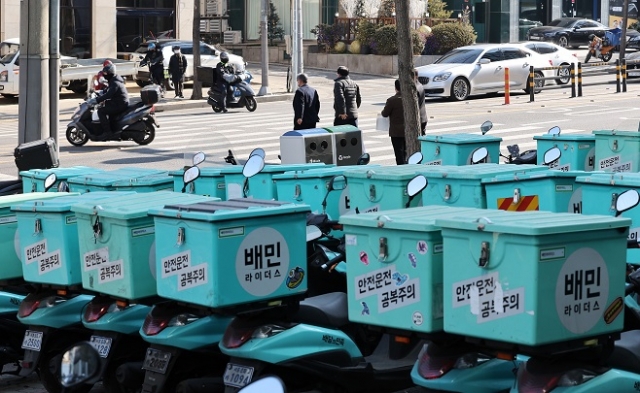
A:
[533, 78]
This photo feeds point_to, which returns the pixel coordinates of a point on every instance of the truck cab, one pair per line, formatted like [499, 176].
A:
[9, 67]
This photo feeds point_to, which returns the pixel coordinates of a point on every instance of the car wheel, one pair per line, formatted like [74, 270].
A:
[563, 41]
[168, 84]
[564, 74]
[538, 83]
[460, 89]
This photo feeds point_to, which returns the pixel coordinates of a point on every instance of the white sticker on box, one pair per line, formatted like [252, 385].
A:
[193, 277]
[94, 259]
[262, 261]
[575, 203]
[398, 296]
[374, 208]
[556, 253]
[49, 262]
[8, 219]
[35, 251]
[624, 167]
[582, 290]
[483, 285]
[608, 162]
[562, 168]
[502, 305]
[143, 231]
[351, 240]
[374, 282]
[634, 234]
[564, 188]
[417, 318]
[435, 162]
[111, 271]
[175, 263]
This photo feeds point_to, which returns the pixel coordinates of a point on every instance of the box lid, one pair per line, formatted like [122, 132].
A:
[9, 200]
[535, 175]
[479, 171]
[293, 167]
[150, 180]
[63, 204]
[61, 173]
[567, 137]
[399, 172]
[228, 210]
[330, 171]
[107, 178]
[626, 179]
[342, 128]
[460, 139]
[132, 206]
[629, 134]
[212, 171]
[310, 131]
[530, 223]
[419, 219]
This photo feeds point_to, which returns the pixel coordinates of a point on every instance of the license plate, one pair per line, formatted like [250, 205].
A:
[636, 73]
[102, 345]
[237, 376]
[156, 361]
[534, 38]
[32, 340]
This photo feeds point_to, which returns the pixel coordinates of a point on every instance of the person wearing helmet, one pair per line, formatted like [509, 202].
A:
[177, 68]
[99, 81]
[155, 60]
[116, 100]
[224, 74]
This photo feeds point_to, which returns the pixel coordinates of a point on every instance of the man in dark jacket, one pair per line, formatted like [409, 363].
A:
[116, 97]
[222, 84]
[306, 105]
[394, 111]
[346, 96]
[177, 68]
[421, 102]
[155, 60]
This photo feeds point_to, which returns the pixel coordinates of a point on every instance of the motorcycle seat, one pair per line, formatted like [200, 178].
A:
[329, 309]
[626, 353]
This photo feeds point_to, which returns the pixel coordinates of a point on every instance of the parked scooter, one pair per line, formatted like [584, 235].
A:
[240, 96]
[603, 48]
[527, 156]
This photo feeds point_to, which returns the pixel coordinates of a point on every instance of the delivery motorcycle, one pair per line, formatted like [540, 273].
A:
[240, 94]
[603, 48]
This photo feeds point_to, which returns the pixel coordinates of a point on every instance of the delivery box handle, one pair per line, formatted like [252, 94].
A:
[382, 220]
[482, 221]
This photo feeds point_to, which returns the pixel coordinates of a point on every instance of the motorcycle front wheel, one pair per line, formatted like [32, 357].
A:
[148, 137]
[76, 136]
[252, 104]
[606, 56]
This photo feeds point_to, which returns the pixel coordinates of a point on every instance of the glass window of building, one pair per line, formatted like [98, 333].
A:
[139, 21]
[75, 28]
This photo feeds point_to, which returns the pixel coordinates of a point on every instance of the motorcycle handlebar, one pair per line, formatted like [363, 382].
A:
[331, 263]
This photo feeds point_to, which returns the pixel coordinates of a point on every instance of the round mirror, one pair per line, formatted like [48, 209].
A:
[479, 155]
[63, 186]
[190, 175]
[554, 131]
[416, 185]
[258, 152]
[49, 181]
[486, 126]
[253, 166]
[338, 182]
[79, 364]
[364, 159]
[267, 384]
[552, 155]
[626, 201]
[198, 158]
[415, 158]
[313, 233]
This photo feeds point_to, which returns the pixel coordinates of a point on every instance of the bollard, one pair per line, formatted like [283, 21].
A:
[532, 83]
[624, 75]
[579, 79]
[506, 86]
[617, 75]
[573, 80]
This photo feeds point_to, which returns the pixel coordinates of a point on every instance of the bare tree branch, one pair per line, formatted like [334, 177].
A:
[349, 7]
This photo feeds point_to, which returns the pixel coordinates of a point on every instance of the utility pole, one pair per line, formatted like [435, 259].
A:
[33, 122]
[195, 38]
[264, 46]
[623, 37]
[298, 38]
[294, 44]
[54, 68]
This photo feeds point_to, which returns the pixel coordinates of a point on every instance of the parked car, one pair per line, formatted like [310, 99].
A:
[572, 32]
[633, 69]
[209, 57]
[556, 55]
[633, 42]
[478, 69]
[524, 25]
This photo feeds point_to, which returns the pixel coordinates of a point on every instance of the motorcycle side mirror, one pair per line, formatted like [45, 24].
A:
[63, 186]
[486, 126]
[554, 131]
[415, 186]
[338, 182]
[364, 159]
[479, 155]
[313, 233]
[269, 384]
[189, 176]
[49, 181]
[80, 364]
[415, 158]
[551, 156]
[253, 166]
[198, 158]
[626, 201]
[258, 152]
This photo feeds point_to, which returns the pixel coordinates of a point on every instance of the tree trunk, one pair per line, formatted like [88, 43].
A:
[197, 85]
[405, 73]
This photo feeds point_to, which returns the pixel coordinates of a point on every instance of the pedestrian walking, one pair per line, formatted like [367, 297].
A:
[394, 111]
[306, 105]
[346, 98]
[177, 68]
[421, 103]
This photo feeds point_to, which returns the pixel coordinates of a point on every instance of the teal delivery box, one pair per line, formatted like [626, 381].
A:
[107, 180]
[553, 191]
[116, 239]
[533, 278]
[231, 253]
[10, 247]
[49, 238]
[155, 182]
[394, 267]
[461, 186]
[456, 149]
[578, 151]
[262, 186]
[210, 182]
[617, 151]
[33, 180]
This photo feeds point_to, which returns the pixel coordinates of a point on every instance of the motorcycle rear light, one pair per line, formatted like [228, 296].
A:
[237, 333]
[98, 308]
[433, 367]
[266, 331]
[33, 302]
[536, 383]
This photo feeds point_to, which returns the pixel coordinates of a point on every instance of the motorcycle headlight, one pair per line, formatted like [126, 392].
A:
[76, 114]
[442, 77]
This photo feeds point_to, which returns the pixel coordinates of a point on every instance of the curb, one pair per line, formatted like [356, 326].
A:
[190, 104]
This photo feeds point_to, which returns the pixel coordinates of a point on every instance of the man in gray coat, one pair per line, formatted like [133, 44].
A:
[346, 96]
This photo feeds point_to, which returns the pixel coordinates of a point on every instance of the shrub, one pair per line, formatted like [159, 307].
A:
[366, 31]
[386, 40]
[354, 47]
[418, 40]
[327, 35]
[340, 47]
[449, 36]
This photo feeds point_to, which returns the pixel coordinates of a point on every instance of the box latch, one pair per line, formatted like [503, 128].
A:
[483, 261]
[383, 252]
[372, 192]
[37, 227]
[516, 196]
[614, 198]
[447, 192]
[297, 192]
[181, 236]
[615, 145]
[97, 229]
[437, 150]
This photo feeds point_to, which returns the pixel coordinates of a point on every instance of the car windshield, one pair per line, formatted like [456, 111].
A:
[8, 52]
[460, 56]
[562, 22]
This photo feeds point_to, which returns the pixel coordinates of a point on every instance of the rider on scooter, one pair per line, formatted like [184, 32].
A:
[117, 96]
[223, 72]
[155, 60]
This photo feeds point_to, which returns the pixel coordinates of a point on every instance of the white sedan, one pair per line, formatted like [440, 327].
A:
[479, 69]
[557, 56]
